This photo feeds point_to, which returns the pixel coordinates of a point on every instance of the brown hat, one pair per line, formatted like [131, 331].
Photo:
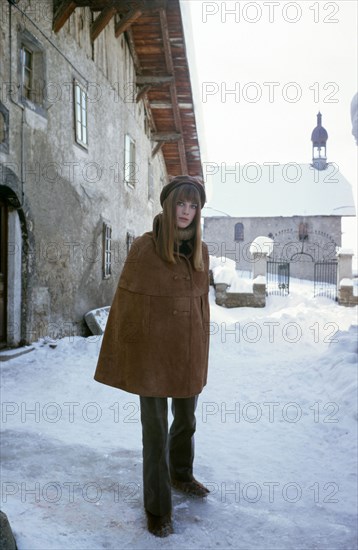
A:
[180, 180]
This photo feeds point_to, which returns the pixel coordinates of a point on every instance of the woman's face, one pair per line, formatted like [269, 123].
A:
[185, 213]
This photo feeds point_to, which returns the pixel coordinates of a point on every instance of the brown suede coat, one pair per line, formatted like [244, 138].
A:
[157, 335]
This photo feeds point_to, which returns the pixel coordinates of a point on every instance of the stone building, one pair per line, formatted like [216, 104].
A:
[299, 206]
[96, 111]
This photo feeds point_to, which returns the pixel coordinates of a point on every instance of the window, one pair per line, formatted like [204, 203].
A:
[303, 232]
[107, 251]
[129, 161]
[239, 232]
[129, 239]
[32, 71]
[27, 73]
[80, 101]
[4, 129]
[150, 182]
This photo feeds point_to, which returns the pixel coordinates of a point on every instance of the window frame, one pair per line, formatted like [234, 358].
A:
[129, 240]
[29, 88]
[150, 182]
[303, 232]
[129, 161]
[34, 96]
[107, 250]
[239, 232]
[4, 114]
[78, 113]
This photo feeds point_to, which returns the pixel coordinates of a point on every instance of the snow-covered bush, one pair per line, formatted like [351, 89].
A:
[262, 244]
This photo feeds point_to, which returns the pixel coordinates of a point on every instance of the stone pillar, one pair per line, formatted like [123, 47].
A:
[344, 271]
[14, 279]
[220, 294]
[345, 278]
[259, 264]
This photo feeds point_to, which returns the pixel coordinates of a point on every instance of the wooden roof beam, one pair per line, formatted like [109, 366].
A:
[63, 12]
[131, 46]
[166, 136]
[157, 148]
[173, 93]
[145, 82]
[122, 6]
[126, 21]
[102, 21]
[161, 105]
[143, 5]
[154, 80]
[143, 90]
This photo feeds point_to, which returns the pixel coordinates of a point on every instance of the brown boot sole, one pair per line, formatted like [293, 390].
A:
[193, 488]
[159, 526]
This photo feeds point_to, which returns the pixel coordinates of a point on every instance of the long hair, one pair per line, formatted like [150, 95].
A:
[168, 237]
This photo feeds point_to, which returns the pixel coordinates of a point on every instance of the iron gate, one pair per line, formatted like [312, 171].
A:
[325, 279]
[278, 277]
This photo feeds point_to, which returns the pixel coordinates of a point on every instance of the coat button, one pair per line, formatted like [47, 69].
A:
[175, 312]
[175, 277]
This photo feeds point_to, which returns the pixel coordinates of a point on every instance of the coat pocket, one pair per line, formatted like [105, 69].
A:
[205, 316]
[181, 306]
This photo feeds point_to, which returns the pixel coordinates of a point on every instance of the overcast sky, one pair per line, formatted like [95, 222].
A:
[286, 61]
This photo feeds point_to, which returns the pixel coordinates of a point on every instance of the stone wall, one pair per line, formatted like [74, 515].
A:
[67, 191]
[346, 296]
[324, 234]
[256, 298]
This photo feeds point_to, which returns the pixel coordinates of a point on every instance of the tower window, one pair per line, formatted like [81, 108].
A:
[303, 232]
[239, 232]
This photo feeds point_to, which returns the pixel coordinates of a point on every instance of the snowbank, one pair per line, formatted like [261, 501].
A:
[225, 272]
[276, 439]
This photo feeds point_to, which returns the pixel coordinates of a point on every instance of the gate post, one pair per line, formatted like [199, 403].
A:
[344, 257]
[345, 278]
[260, 260]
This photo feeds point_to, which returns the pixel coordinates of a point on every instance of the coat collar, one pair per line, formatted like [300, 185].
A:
[185, 235]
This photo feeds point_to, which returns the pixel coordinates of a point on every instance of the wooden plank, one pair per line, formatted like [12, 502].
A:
[157, 148]
[127, 21]
[131, 46]
[153, 80]
[63, 12]
[166, 136]
[102, 21]
[173, 92]
[143, 90]
[160, 105]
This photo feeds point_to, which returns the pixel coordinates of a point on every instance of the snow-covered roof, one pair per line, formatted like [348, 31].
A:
[279, 190]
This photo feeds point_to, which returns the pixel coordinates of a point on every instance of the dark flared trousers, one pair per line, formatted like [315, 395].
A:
[166, 456]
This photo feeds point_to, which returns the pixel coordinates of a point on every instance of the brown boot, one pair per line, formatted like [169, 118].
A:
[160, 526]
[193, 488]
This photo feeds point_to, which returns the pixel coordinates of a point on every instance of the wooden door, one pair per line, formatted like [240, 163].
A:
[3, 273]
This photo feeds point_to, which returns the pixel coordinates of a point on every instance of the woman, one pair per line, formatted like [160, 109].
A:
[156, 343]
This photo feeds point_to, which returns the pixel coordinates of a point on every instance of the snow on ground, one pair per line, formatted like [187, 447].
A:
[224, 271]
[276, 439]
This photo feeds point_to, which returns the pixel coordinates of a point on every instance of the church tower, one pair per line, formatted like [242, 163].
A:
[319, 138]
